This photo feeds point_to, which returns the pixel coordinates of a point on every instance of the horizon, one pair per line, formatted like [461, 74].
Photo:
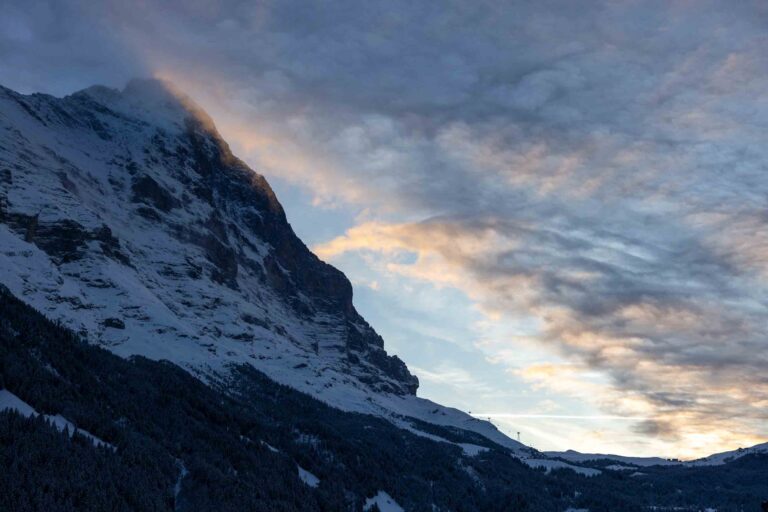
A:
[566, 239]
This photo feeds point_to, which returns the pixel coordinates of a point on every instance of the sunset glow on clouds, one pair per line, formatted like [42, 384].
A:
[555, 213]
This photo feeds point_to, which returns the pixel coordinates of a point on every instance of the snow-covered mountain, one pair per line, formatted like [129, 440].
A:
[125, 216]
[578, 457]
[716, 459]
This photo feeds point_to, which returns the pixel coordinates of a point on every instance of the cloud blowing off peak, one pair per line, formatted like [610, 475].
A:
[598, 169]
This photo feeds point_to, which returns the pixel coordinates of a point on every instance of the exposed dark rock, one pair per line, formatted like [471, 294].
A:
[67, 183]
[29, 235]
[64, 240]
[194, 271]
[110, 245]
[250, 319]
[114, 323]
[146, 190]
[395, 368]
[223, 258]
[148, 213]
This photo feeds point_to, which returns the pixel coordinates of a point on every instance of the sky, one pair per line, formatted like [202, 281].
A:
[554, 211]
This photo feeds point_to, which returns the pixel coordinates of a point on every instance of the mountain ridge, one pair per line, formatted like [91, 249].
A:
[224, 183]
[714, 459]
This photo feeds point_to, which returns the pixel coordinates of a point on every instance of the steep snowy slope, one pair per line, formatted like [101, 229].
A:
[124, 215]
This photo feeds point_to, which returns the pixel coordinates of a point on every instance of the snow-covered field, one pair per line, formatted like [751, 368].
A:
[10, 401]
[384, 501]
[307, 477]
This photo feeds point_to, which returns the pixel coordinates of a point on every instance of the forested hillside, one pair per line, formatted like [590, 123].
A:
[179, 444]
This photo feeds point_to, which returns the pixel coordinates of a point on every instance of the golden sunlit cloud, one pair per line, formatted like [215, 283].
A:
[687, 407]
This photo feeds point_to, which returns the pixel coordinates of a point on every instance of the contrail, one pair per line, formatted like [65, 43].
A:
[560, 416]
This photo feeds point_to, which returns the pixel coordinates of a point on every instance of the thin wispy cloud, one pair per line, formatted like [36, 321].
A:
[495, 415]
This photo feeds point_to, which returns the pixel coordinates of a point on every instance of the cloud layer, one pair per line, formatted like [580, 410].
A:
[595, 170]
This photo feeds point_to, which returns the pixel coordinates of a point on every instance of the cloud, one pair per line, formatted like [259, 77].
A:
[678, 342]
[596, 170]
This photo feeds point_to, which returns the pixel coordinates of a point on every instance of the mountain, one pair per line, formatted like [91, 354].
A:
[578, 457]
[146, 435]
[156, 239]
[721, 458]
[637, 462]
[168, 343]
[126, 217]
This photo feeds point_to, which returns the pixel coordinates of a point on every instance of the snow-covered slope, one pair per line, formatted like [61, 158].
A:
[10, 401]
[578, 457]
[124, 215]
[712, 460]
[725, 457]
[550, 464]
[384, 501]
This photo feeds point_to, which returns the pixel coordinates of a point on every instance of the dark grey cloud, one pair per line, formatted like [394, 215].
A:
[57, 47]
[599, 166]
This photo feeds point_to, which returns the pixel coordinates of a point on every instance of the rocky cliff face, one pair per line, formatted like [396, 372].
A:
[127, 217]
